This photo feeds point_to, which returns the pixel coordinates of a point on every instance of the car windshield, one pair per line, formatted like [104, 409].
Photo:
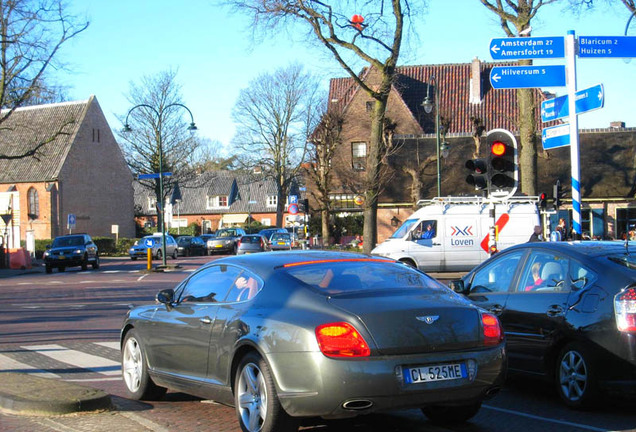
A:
[226, 233]
[332, 277]
[406, 227]
[183, 240]
[628, 261]
[68, 241]
[280, 236]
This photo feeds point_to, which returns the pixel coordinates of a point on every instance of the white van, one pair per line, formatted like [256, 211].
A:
[453, 233]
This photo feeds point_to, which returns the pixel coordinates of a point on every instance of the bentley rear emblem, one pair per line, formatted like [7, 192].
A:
[430, 319]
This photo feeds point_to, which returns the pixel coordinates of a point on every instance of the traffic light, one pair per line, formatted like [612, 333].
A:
[557, 194]
[542, 202]
[503, 170]
[304, 204]
[477, 177]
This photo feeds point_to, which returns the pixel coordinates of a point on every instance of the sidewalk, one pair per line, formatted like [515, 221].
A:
[36, 267]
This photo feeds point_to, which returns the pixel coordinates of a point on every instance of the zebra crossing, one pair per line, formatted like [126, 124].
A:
[72, 361]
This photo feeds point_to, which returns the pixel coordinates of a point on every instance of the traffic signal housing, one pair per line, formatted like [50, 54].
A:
[557, 194]
[503, 170]
[478, 176]
[543, 204]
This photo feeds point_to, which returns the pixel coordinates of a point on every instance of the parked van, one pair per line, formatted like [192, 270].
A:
[453, 233]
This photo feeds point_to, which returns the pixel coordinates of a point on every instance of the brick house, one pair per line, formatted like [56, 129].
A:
[467, 101]
[218, 199]
[81, 171]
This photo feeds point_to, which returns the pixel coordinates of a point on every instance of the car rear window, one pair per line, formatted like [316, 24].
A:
[342, 276]
[251, 239]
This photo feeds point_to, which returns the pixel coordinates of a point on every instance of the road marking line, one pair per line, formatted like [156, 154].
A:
[80, 359]
[113, 345]
[140, 278]
[144, 422]
[7, 364]
[546, 419]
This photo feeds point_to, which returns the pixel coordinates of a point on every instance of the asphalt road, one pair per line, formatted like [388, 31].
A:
[66, 326]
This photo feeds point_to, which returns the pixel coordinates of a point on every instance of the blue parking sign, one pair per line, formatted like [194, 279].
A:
[293, 199]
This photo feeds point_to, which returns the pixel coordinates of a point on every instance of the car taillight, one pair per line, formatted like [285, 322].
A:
[625, 310]
[341, 339]
[238, 243]
[492, 330]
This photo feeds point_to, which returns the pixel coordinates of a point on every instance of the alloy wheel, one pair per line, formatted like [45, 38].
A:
[573, 376]
[252, 397]
[132, 365]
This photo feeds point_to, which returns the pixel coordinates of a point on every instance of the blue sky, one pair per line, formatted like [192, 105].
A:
[215, 56]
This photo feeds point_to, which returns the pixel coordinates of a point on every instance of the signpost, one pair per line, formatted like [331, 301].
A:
[587, 99]
[527, 48]
[556, 136]
[153, 175]
[527, 76]
[70, 223]
[607, 46]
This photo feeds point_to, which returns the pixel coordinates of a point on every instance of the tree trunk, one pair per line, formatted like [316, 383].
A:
[528, 149]
[374, 161]
[325, 227]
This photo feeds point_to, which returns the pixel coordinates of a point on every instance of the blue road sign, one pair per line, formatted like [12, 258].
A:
[587, 99]
[153, 175]
[556, 136]
[607, 46]
[293, 199]
[71, 220]
[293, 209]
[502, 77]
[527, 48]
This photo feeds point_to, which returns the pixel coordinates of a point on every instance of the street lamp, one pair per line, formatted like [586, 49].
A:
[159, 115]
[428, 107]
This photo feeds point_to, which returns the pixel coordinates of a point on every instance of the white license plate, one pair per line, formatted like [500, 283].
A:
[443, 372]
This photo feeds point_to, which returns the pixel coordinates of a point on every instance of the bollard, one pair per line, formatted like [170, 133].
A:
[149, 259]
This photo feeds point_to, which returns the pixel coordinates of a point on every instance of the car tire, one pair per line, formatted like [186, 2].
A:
[95, 263]
[235, 250]
[451, 415]
[48, 269]
[175, 254]
[134, 369]
[576, 376]
[133, 258]
[61, 269]
[256, 402]
[85, 263]
[159, 254]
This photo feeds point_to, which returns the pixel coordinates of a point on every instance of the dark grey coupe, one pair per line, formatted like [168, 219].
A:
[314, 334]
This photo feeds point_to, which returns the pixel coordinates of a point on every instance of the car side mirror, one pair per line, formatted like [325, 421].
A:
[48, 246]
[458, 286]
[166, 297]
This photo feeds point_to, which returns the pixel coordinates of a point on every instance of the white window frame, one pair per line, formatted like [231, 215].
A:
[272, 200]
[214, 202]
[359, 155]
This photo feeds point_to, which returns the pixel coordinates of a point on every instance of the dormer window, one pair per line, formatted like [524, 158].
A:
[218, 201]
[152, 203]
[272, 200]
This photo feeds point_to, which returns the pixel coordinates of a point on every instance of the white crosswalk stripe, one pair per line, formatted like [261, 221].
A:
[7, 364]
[76, 358]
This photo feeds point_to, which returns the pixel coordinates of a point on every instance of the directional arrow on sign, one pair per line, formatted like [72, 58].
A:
[586, 100]
[555, 136]
[502, 77]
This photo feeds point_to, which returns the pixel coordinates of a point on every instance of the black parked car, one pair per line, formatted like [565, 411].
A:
[568, 312]
[191, 246]
[70, 251]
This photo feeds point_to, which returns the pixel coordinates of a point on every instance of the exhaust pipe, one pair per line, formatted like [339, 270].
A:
[357, 404]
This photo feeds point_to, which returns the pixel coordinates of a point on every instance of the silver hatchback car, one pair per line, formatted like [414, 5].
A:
[287, 335]
[153, 242]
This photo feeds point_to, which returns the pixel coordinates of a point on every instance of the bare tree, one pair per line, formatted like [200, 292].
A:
[519, 14]
[374, 39]
[32, 34]
[158, 138]
[322, 147]
[274, 117]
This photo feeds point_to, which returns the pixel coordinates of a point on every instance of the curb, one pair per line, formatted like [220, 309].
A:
[25, 394]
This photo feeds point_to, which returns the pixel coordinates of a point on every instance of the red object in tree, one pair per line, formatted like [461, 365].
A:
[357, 21]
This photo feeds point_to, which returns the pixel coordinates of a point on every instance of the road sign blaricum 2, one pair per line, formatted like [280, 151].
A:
[607, 46]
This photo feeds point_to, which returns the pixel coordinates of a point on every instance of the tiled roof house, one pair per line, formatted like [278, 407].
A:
[217, 199]
[80, 172]
[464, 95]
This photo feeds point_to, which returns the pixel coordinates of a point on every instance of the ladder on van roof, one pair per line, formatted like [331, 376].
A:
[478, 200]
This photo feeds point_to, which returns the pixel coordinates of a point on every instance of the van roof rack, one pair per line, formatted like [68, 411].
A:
[479, 200]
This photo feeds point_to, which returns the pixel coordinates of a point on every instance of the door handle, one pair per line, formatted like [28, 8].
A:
[555, 310]
[496, 309]
[437, 244]
[205, 320]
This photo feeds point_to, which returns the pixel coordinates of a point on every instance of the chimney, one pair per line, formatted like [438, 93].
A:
[475, 82]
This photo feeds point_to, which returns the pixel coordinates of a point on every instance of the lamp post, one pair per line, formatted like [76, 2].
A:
[428, 107]
[159, 115]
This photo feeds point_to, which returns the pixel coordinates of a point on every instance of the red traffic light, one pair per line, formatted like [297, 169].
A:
[542, 197]
[498, 148]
